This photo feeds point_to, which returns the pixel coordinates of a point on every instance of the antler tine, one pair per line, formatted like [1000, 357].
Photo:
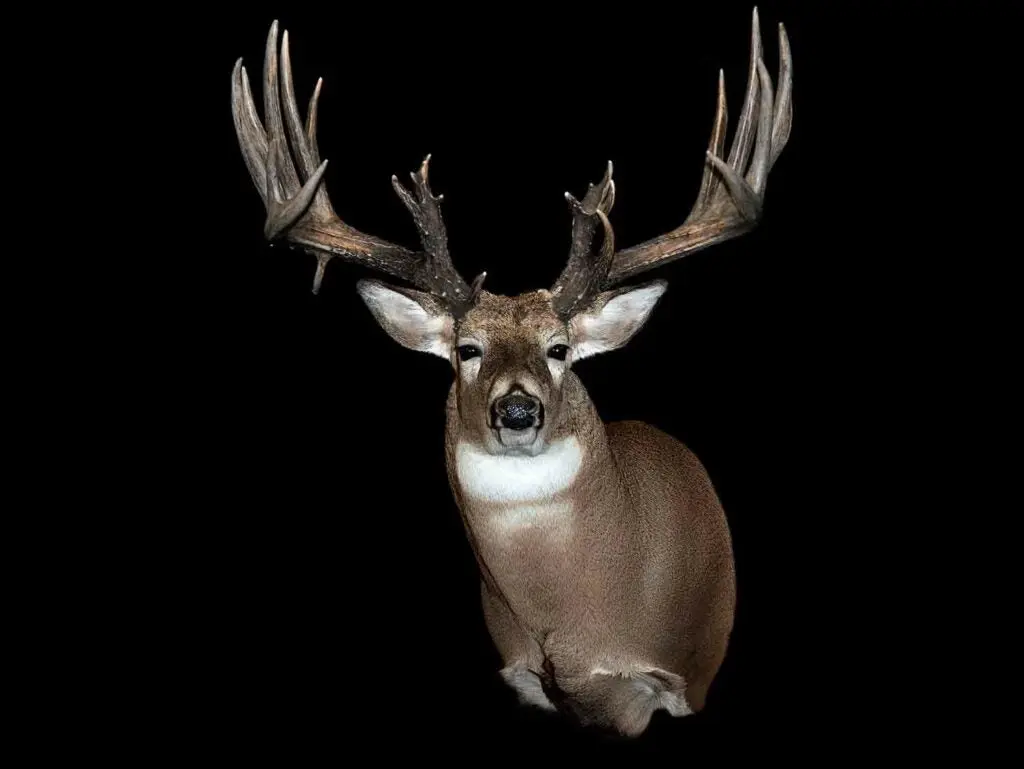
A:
[302, 139]
[744, 138]
[252, 139]
[731, 195]
[584, 272]
[311, 119]
[425, 208]
[709, 180]
[477, 287]
[290, 181]
[752, 116]
[286, 200]
[757, 175]
[279, 170]
[782, 122]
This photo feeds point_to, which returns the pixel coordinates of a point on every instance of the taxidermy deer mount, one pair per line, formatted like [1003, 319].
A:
[605, 558]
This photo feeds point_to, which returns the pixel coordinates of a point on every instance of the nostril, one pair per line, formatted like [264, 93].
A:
[517, 421]
[517, 417]
[517, 412]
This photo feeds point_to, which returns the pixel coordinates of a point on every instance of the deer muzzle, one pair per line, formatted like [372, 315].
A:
[517, 411]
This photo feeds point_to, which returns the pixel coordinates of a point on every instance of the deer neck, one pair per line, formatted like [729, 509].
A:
[538, 501]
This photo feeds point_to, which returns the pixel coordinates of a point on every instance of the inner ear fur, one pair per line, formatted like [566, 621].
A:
[415, 319]
[613, 318]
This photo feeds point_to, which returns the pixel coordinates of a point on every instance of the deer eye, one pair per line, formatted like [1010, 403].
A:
[467, 351]
[558, 352]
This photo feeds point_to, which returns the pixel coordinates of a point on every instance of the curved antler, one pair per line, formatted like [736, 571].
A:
[298, 208]
[721, 211]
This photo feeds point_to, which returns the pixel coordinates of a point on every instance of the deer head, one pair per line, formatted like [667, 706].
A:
[510, 354]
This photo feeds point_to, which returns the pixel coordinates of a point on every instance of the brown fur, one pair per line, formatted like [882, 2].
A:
[644, 576]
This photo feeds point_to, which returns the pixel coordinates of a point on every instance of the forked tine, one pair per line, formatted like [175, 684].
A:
[583, 272]
[425, 208]
[600, 195]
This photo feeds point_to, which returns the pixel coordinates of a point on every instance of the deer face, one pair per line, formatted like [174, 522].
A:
[511, 355]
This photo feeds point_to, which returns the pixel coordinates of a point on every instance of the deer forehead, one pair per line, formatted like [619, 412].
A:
[502, 316]
[497, 478]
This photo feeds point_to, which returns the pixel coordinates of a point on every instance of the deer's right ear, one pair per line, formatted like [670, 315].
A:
[415, 319]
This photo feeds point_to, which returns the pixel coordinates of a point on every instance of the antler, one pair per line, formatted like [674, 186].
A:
[721, 212]
[584, 273]
[298, 208]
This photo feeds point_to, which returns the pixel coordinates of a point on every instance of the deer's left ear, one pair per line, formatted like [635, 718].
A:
[613, 318]
[414, 319]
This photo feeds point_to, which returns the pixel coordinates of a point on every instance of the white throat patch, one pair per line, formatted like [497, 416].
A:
[496, 478]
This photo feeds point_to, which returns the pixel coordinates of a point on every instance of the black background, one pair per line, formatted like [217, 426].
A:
[322, 599]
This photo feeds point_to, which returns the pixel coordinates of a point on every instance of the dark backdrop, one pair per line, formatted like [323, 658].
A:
[328, 600]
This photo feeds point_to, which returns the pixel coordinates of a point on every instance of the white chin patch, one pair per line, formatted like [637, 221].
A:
[518, 478]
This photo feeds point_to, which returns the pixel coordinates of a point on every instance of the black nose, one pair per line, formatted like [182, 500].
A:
[517, 411]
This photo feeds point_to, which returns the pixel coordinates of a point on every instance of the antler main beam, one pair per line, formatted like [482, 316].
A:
[290, 181]
[731, 195]
[729, 202]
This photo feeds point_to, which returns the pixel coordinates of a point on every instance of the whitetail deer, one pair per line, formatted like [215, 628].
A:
[605, 558]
